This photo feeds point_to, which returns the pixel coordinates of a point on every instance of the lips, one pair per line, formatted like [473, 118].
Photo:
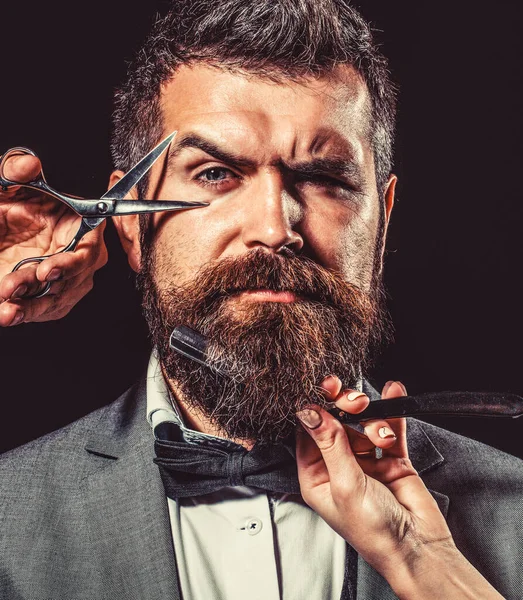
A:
[272, 295]
[265, 295]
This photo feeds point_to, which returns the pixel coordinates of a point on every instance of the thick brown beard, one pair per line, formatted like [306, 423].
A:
[274, 355]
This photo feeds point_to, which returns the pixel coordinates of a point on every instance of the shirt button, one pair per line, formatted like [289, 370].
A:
[253, 526]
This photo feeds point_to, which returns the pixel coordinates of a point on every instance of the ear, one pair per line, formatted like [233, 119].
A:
[390, 190]
[128, 227]
[389, 196]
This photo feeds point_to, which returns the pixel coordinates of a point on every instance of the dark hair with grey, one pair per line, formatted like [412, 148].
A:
[272, 38]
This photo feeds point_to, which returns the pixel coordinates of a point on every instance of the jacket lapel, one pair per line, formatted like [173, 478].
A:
[424, 456]
[127, 509]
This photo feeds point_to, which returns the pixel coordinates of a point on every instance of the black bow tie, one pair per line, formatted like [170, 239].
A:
[192, 469]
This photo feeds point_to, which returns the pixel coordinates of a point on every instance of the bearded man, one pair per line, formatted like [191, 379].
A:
[284, 115]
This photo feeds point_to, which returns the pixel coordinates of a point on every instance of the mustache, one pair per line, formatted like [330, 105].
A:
[263, 270]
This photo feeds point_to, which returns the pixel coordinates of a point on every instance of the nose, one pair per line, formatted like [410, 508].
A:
[271, 216]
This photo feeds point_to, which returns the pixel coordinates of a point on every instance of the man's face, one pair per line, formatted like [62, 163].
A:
[287, 169]
[299, 172]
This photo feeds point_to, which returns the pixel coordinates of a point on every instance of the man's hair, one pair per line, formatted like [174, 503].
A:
[277, 39]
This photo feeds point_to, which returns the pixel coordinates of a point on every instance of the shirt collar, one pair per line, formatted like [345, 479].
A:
[162, 407]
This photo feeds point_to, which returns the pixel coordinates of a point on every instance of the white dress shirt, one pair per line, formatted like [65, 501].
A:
[243, 543]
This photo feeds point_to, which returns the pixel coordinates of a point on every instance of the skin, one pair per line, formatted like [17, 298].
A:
[268, 199]
[33, 224]
[394, 523]
[263, 199]
[264, 202]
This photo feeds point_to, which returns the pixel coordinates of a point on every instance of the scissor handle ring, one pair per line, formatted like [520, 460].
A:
[26, 261]
[4, 182]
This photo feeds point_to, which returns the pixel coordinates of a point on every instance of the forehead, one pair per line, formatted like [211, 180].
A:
[320, 115]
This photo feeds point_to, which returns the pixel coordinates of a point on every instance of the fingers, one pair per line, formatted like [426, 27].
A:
[32, 278]
[324, 456]
[20, 283]
[395, 389]
[22, 167]
[363, 501]
[332, 388]
[380, 434]
[331, 385]
[55, 305]
[71, 277]
[10, 314]
[352, 401]
[91, 253]
[376, 433]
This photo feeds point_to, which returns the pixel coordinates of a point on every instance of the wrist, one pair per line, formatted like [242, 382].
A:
[438, 570]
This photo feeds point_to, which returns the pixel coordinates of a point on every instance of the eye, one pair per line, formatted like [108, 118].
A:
[215, 176]
[324, 181]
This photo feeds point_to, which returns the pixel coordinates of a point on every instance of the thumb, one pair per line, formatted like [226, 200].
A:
[20, 167]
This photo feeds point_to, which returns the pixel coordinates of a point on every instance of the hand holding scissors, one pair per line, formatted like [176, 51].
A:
[36, 230]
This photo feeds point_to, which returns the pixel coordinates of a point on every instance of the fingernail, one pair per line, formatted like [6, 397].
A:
[329, 376]
[328, 379]
[354, 395]
[386, 433]
[54, 274]
[387, 386]
[18, 318]
[402, 387]
[20, 291]
[310, 418]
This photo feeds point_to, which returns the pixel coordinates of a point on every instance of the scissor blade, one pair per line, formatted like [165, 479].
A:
[122, 187]
[134, 207]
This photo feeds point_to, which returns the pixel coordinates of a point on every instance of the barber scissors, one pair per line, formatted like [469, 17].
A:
[94, 212]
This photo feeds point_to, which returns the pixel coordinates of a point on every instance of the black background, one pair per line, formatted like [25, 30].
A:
[453, 267]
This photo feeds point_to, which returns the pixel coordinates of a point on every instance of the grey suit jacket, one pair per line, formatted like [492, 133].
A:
[83, 514]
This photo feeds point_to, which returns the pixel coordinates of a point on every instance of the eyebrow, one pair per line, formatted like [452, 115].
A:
[200, 143]
[344, 167]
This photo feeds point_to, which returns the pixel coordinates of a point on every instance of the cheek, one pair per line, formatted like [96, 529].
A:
[186, 242]
[344, 239]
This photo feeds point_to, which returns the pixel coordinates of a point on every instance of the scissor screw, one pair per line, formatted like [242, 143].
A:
[102, 207]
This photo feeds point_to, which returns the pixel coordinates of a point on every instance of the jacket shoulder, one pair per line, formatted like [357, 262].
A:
[466, 458]
[58, 460]
[483, 487]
